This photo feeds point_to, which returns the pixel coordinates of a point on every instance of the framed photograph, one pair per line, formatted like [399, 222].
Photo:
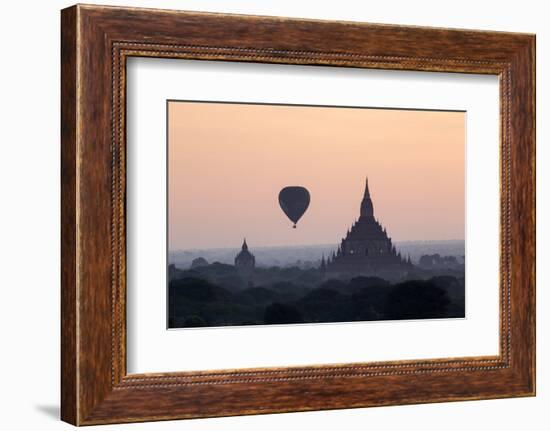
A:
[264, 215]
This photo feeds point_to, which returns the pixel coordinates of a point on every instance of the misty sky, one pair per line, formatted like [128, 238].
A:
[228, 162]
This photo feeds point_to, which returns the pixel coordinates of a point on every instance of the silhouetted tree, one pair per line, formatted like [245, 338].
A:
[333, 284]
[416, 299]
[282, 313]
[256, 295]
[369, 303]
[198, 262]
[197, 289]
[325, 305]
[194, 322]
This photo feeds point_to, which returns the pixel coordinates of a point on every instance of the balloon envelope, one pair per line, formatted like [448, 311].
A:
[294, 201]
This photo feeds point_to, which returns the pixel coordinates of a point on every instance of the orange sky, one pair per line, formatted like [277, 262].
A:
[228, 162]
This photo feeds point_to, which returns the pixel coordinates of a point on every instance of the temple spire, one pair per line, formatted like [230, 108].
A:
[245, 245]
[367, 209]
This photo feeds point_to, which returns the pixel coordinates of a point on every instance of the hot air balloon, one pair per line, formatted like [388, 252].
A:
[294, 201]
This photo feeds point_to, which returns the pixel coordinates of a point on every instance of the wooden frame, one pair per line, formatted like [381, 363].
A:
[96, 41]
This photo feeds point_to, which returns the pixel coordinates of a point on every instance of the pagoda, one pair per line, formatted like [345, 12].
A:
[245, 261]
[367, 249]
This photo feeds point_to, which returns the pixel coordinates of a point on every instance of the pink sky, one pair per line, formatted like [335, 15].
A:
[228, 162]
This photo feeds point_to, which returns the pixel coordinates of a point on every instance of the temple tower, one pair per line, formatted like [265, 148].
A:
[367, 248]
[245, 260]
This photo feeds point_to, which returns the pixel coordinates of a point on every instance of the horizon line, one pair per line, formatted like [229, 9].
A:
[308, 245]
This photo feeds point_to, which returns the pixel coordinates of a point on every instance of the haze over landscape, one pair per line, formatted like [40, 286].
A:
[308, 255]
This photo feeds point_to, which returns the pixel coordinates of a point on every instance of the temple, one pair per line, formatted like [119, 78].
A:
[245, 261]
[367, 249]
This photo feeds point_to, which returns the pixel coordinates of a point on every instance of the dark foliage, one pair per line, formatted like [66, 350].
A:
[256, 295]
[197, 289]
[416, 299]
[217, 295]
[194, 322]
[282, 313]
